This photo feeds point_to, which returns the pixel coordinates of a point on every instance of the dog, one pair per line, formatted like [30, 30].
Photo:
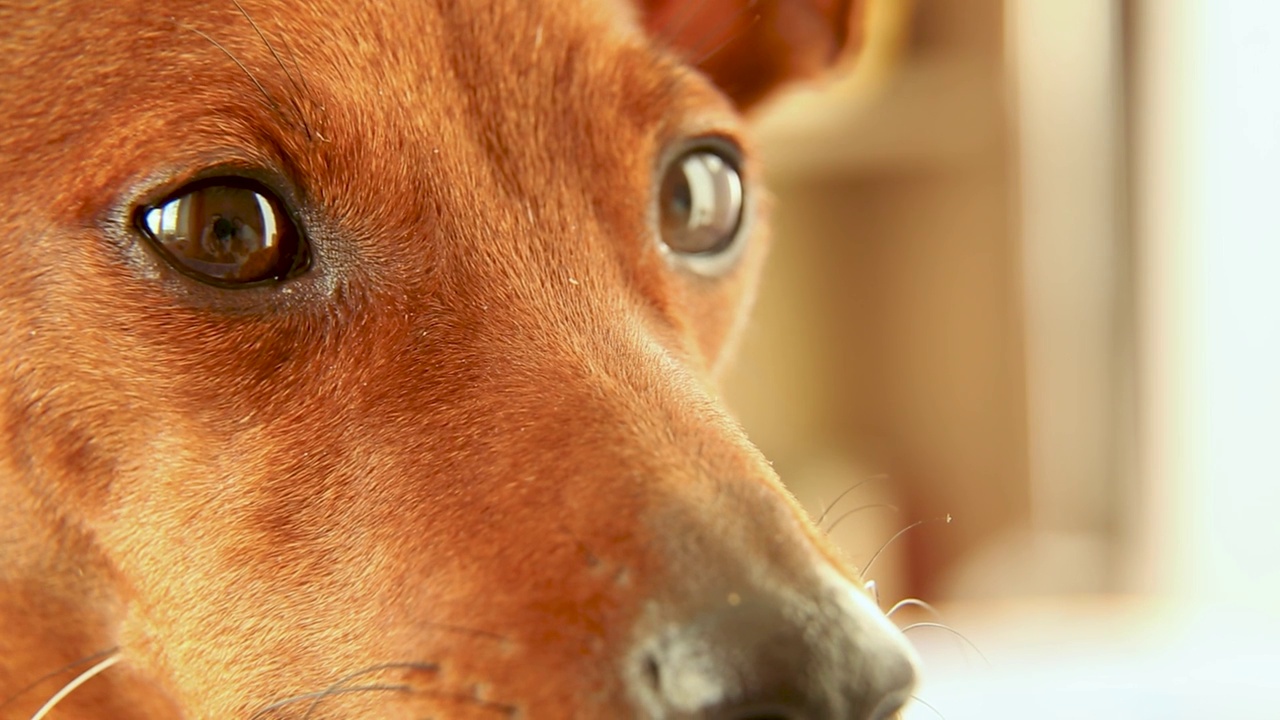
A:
[359, 360]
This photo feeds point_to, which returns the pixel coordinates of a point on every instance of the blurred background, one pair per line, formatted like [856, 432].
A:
[1025, 292]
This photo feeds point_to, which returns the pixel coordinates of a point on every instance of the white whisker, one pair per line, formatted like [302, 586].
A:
[70, 687]
[914, 602]
[949, 629]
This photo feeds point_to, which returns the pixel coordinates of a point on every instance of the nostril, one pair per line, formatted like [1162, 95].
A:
[652, 674]
[747, 661]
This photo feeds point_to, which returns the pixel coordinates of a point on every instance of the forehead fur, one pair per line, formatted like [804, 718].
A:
[345, 85]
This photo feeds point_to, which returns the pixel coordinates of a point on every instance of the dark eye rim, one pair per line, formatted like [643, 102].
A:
[235, 178]
[719, 260]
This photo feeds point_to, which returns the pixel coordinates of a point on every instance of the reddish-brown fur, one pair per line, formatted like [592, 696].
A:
[480, 439]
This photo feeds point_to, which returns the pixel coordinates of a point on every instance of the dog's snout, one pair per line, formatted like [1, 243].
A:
[769, 658]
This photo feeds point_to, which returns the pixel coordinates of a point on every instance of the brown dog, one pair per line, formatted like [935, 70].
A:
[358, 360]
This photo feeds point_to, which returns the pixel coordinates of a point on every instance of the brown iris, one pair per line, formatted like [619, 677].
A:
[227, 232]
[700, 203]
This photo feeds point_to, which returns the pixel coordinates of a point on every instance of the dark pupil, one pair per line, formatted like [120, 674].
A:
[681, 200]
[223, 229]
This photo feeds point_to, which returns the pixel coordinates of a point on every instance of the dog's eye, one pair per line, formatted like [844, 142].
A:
[227, 232]
[700, 203]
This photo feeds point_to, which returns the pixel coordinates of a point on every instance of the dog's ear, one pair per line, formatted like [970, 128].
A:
[751, 47]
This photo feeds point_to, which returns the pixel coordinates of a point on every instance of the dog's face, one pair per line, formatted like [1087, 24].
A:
[359, 361]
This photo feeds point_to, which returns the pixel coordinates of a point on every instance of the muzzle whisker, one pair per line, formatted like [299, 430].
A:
[320, 695]
[858, 510]
[70, 687]
[339, 687]
[935, 710]
[867, 568]
[914, 602]
[832, 505]
[341, 684]
[49, 675]
[953, 631]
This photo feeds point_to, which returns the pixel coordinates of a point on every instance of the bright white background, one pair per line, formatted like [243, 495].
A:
[1199, 635]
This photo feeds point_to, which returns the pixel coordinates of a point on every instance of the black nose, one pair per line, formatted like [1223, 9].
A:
[765, 657]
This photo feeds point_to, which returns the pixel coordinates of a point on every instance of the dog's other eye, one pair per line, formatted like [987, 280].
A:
[227, 232]
[700, 203]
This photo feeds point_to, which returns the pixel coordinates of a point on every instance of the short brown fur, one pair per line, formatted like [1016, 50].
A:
[475, 442]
